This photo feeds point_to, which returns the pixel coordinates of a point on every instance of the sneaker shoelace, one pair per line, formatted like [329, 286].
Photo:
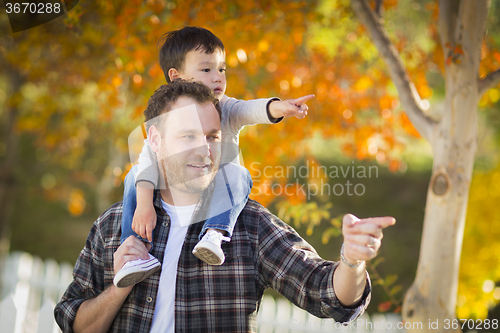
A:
[217, 237]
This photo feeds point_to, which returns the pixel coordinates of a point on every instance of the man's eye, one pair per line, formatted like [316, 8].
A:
[214, 137]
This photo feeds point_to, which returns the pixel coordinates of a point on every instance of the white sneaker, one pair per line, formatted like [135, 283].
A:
[208, 248]
[136, 271]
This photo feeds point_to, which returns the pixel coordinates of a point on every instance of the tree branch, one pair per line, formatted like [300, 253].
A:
[490, 81]
[378, 8]
[448, 12]
[469, 32]
[408, 95]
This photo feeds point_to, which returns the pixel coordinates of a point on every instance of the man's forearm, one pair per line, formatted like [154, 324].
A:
[97, 314]
[349, 283]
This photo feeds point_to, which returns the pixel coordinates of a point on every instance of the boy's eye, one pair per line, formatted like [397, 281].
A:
[206, 70]
[189, 136]
[222, 70]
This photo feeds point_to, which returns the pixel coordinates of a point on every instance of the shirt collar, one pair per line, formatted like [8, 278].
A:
[201, 209]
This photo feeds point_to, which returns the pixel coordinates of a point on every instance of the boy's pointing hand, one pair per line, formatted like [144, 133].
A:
[290, 108]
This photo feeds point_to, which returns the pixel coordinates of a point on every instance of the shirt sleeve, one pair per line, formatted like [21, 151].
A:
[88, 281]
[243, 113]
[288, 264]
[147, 169]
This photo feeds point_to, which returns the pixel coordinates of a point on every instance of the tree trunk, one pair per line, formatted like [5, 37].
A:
[432, 297]
[433, 294]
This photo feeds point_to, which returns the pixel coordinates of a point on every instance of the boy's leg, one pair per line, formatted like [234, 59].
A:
[230, 195]
[232, 188]
[137, 270]
[129, 204]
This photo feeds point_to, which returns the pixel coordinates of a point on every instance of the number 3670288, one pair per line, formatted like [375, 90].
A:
[34, 8]
[477, 324]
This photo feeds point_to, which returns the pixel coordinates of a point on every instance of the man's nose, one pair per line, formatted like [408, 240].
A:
[203, 148]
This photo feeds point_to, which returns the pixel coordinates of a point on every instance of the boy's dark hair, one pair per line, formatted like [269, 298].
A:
[174, 46]
[165, 96]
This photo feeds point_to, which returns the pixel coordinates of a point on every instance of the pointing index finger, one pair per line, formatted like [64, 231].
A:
[301, 100]
[382, 222]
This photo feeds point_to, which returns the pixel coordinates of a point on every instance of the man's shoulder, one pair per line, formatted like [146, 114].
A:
[265, 227]
[112, 213]
[254, 213]
[110, 221]
[255, 208]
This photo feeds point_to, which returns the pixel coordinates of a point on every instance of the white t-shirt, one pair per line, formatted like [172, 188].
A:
[164, 315]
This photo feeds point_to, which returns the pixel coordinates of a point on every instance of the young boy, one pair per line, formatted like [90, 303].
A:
[196, 53]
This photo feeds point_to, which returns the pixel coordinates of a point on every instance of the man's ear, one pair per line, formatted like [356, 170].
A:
[173, 74]
[154, 138]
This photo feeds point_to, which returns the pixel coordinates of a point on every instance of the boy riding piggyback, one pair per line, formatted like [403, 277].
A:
[196, 53]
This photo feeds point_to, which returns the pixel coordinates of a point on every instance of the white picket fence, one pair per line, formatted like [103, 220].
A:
[31, 287]
[281, 316]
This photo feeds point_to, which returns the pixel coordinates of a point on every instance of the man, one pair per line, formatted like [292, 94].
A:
[189, 295]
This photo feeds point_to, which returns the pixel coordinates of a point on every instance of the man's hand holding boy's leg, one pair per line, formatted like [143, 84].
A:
[97, 314]
[144, 222]
[133, 263]
[131, 249]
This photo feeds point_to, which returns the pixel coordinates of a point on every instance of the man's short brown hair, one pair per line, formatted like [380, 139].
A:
[166, 95]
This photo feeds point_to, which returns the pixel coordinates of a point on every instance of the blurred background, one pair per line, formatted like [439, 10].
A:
[73, 89]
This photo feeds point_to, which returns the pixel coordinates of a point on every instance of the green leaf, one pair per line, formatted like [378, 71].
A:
[396, 289]
[390, 279]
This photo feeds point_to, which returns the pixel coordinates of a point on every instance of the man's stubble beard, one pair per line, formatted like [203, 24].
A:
[174, 172]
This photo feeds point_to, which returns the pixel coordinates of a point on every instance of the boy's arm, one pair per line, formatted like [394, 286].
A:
[261, 111]
[289, 108]
[146, 180]
[144, 220]
[147, 169]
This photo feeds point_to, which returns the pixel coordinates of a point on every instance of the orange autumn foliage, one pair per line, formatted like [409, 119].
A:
[113, 45]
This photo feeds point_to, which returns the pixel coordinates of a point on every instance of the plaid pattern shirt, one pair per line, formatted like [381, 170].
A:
[264, 252]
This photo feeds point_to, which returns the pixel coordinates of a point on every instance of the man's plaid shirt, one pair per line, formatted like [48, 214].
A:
[264, 252]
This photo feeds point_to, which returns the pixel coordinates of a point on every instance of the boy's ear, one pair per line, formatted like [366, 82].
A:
[173, 74]
[154, 138]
